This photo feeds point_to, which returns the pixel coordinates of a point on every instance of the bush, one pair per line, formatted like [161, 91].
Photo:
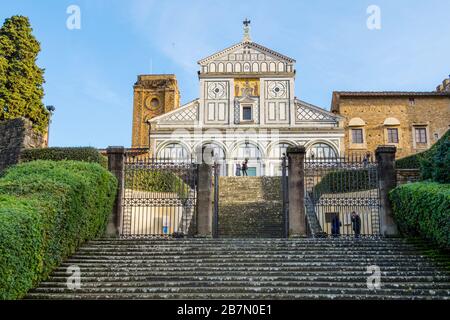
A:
[341, 181]
[156, 181]
[439, 168]
[423, 209]
[47, 209]
[427, 161]
[410, 162]
[86, 154]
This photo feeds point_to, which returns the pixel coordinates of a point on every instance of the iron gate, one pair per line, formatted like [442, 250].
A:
[340, 194]
[159, 197]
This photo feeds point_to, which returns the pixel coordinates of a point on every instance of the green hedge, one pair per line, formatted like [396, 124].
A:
[423, 209]
[423, 159]
[341, 181]
[47, 209]
[156, 181]
[86, 154]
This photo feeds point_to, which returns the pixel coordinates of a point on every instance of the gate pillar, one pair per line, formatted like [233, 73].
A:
[116, 167]
[296, 191]
[387, 179]
[204, 200]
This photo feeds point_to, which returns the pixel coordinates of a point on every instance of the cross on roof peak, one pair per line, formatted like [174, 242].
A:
[246, 23]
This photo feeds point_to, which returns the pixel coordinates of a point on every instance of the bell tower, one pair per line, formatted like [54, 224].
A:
[154, 95]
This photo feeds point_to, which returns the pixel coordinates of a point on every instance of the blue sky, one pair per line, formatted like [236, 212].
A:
[90, 72]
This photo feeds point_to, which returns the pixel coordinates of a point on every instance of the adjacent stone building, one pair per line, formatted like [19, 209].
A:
[411, 121]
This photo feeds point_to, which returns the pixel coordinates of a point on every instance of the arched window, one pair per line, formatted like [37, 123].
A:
[248, 151]
[174, 151]
[277, 151]
[321, 151]
[215, 154]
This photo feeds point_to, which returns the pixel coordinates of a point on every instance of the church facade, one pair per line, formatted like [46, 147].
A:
[247, 109]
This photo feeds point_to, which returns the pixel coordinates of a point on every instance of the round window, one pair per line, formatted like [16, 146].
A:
[154, 103]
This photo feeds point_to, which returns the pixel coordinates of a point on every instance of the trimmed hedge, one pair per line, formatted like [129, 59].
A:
[156, 181]
[86, 154]
[47, 209]
[341, 181]
[423, 159]
[423, 209]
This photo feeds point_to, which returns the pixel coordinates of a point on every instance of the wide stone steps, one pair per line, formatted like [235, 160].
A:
[228, 296]
[248, 269]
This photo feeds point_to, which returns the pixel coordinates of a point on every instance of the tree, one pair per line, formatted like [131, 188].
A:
[21, 80]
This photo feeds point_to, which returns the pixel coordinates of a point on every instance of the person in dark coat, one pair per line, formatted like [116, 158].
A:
[356, 224]
[245, 167]
[238, 169]
[335, 226]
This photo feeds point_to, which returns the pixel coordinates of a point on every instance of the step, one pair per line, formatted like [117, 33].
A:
[244, 289]
[230, 296]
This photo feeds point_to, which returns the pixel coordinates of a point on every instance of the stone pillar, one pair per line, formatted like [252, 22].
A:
[387, 179]
[116, 157]
[296, 190]
[204, 200]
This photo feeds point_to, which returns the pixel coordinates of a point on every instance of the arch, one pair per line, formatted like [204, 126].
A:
[263, 67]
[273, 149]
[356, 122]
[322, 150]
[280, 67]
[253, 152]
[212, 67]
[175, 150]
[272, 67]
[221, 67]
[237, 67]
[247, 67]
[391, 122]
[229, 67]
[255, 67]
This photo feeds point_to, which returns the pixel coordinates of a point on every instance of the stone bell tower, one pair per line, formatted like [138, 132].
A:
[154, 95]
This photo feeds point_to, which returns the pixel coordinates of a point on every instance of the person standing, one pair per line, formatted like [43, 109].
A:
[238, 169]
[245, 167]
[336, 226]
[356, 223]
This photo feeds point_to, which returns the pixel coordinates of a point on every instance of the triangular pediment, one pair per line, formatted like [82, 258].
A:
[306, 112]
[186, 114]
[246, 51]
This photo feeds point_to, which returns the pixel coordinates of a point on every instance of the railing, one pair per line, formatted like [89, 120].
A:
[160, 196]
[344, 195]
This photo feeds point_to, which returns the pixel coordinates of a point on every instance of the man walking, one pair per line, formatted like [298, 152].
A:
[356, 223]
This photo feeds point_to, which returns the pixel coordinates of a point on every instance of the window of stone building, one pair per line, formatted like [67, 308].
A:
[421, 135]
[247, 113]
[357, 136]
[412, 101]
[392, 134]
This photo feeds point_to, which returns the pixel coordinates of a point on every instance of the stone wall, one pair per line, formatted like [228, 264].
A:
[16, 135]
[250, 207]
[405, 176]
[430, 111]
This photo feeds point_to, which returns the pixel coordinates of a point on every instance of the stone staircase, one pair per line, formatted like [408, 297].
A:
[248, 269]
[250, 207]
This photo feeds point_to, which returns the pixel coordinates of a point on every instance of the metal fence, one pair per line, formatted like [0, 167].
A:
[159, 197]
[342, 196]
